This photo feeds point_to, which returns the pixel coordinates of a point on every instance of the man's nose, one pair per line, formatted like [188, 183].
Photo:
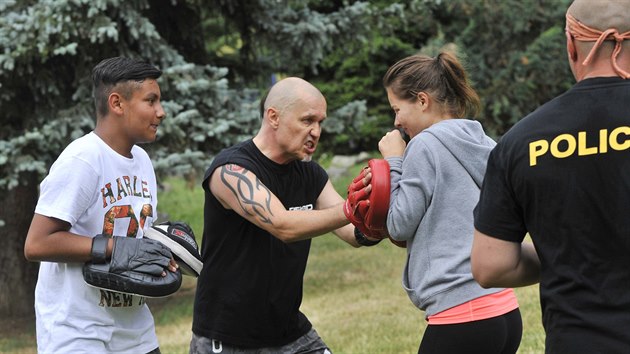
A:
[316, 131]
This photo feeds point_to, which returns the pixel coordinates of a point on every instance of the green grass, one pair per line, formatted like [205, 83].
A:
[353, 297]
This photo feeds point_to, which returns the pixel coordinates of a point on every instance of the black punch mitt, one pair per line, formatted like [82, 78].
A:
[180, 239]
[135, 267]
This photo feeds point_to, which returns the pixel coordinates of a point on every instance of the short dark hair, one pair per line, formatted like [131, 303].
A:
[112, 71]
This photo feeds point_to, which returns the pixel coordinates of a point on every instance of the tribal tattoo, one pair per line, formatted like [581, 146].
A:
[244, 191]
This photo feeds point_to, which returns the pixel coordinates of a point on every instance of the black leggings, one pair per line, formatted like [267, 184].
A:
[496, 335]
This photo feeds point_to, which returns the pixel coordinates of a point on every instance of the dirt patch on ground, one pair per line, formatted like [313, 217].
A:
[14, 327]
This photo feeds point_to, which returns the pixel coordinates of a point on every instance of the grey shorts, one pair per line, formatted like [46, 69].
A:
[308, 343]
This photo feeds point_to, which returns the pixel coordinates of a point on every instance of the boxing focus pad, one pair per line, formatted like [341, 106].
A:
[135, 267]
[180, 239]
[368, 213]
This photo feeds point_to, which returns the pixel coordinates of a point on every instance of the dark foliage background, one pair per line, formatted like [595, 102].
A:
[219, 56]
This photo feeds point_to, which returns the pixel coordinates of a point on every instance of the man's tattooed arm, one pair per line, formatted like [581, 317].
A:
[252, 196]
[240, 190]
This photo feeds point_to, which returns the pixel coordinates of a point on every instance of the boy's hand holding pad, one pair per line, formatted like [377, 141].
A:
[136, 267]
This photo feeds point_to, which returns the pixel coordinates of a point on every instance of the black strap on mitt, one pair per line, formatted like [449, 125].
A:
[135, 267]
[179, 237]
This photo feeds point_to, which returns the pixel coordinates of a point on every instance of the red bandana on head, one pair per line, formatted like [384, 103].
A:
[584, 33]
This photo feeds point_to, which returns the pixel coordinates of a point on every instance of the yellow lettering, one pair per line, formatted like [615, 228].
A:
[537, 148]
[565, 145]
[603, 141]
[582, 149]
[614, 140]
[555, 151]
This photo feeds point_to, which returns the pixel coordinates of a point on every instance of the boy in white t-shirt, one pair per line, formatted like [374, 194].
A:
[102, 183]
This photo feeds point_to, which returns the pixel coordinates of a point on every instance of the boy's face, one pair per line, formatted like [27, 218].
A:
[143, 112]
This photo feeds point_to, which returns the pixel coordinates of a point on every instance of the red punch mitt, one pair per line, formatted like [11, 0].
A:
[368, 213]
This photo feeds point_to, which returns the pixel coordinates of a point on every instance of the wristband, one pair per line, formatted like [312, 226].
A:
[99, 249]
[362, 240]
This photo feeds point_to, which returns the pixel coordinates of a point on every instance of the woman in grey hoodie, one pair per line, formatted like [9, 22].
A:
[435, 181]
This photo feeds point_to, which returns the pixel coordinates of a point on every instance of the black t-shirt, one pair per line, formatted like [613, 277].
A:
[563, 175]
[250, 290]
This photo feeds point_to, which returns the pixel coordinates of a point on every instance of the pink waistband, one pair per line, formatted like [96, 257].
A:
[481, 308]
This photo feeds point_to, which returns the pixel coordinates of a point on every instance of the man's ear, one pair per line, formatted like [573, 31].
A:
[114, 101]
[273, 116]
[571, 51]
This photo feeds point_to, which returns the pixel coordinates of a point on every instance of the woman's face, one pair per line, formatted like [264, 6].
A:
[408, 114]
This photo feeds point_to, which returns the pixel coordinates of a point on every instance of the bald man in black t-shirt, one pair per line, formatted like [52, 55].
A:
[264, 202]
[562, 174]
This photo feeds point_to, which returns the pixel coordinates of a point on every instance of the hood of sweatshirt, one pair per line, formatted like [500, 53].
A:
[468, 143]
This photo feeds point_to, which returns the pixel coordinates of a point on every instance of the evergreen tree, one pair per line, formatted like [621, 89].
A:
[49, 48]
[218, 56]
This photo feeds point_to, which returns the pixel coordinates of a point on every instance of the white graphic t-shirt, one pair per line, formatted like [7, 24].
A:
[97, 191]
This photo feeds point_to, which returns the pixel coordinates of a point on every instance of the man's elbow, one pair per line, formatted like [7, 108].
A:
[283, 236]
[485, 277]
[285, 233]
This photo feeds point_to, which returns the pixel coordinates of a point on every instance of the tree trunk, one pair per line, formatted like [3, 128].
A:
[18, 276]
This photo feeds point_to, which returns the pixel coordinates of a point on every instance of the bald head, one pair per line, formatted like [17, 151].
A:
[292, 116]
[602, 14]
[287, 92]
[598, 38]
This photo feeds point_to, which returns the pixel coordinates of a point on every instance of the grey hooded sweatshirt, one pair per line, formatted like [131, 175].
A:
[434, 188]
